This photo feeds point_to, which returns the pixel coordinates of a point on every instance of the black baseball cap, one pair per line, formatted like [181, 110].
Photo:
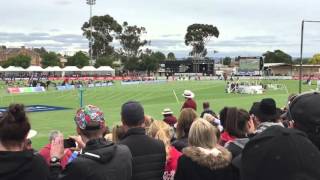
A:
[279, 153]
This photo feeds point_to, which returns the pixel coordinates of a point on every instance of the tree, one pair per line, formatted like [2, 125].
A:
[20, 61]
[197, 36]
[150, 61]
[304, 61]
[50, 59]
[171, 56]
[105, 61]
[227, 61]
[277, 56]
[79, 59]
[315, 59]
[105, 29]
[42, 51]
[130, 40]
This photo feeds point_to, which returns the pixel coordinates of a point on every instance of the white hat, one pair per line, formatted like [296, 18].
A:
[32, 133]
[188, 94]
[167, 111]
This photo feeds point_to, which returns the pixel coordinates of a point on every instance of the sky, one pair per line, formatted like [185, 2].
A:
[247, 27]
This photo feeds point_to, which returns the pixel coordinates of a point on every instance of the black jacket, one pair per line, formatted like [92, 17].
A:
[99, 160]
[197, 165]
[149, 155]
[179, 144]
[23, 165]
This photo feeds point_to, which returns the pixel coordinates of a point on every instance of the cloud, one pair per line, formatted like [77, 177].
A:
[63, 2]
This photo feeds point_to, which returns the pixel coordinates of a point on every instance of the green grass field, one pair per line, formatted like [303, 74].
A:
[154, 97]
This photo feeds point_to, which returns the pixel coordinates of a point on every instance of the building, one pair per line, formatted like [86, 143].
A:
[6, 53]
[283, 69]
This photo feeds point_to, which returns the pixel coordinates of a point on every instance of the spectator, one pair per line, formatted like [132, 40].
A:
[206, 109]
[100, 159]
[118, 132]
[169, 118]
[279, 153]
[189, 103]
[45, 151]
[304, 112]
[147, 122]
[149, 155]
[267, 115]
[204, 159]
[241, 126]
[185, 120]
[15, 161]
[160, 130]
[227, 135]
[214, 121]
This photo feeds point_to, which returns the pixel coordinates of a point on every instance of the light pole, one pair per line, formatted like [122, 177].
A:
[301, 51]
[91, 3]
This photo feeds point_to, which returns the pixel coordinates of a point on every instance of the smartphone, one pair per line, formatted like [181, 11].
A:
[69, 143]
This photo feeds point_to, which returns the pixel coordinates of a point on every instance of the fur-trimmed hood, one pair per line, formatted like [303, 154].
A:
[209, 160]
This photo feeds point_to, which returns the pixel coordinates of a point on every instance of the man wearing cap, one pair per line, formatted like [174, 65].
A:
[304, 111]
[279, 153]
[148, 154]
[99, 159]
[169, 118]
[189, 103]
[266, 114]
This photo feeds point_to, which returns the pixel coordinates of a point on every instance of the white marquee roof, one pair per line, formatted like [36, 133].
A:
[53, 69]
[34, 69]
[14, 69]
[88, 68]
[70, 69]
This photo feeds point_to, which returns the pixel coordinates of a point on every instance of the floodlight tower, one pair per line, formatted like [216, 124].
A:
[91, 3]
[301, 50]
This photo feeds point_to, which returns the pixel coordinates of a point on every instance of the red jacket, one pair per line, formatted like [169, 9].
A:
[225, 137]
[45, 153]
[171, 120]
[171, 164]
[190, 103]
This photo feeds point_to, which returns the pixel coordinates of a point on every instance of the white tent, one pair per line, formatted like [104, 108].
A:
[53, 69]
[1, 68]
[34, 69]
[14, 69]
[70, 69]
[106, 69]
[89, 69]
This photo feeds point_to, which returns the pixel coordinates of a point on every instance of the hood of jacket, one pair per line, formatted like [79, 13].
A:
[264, 125]
[14, 163]
[99, 150]
[209, 160]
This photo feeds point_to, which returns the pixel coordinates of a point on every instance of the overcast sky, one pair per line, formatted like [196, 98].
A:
[247, 27]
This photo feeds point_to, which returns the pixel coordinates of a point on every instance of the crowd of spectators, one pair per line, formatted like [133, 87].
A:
[265, 143]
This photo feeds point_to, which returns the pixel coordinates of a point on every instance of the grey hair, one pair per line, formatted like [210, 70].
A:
[53, 134]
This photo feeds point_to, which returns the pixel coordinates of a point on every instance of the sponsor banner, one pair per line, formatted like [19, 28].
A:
[65, 88]
[142, 82]
[26, 90]
[109, 78]
[38, 108]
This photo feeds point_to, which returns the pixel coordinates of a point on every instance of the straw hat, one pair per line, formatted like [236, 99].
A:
[188, 94]
[167, 111]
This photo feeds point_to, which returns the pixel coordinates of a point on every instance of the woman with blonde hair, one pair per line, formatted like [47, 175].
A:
[185, 120]
[204, 159]
[161, 131]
